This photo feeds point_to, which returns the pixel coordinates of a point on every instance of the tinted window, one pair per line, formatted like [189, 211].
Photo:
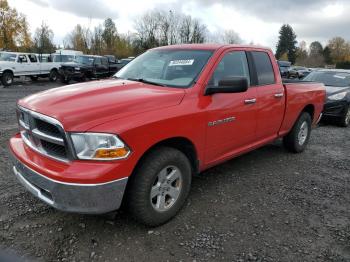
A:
[32, 58]
[264, 68]
[22, 58]
[97, 61]
[104, 61]
[233, 64]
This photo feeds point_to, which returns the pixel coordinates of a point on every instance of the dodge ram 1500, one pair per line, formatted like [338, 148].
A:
[169, 114]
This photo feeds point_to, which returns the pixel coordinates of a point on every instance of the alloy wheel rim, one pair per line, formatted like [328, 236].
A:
[303, 133]
[166, 188]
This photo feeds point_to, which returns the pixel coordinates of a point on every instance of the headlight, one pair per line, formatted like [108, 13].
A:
[77, 68]
[99, 146]
[339, 96]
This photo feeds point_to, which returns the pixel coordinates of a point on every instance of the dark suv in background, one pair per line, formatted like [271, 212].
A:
[87, 66]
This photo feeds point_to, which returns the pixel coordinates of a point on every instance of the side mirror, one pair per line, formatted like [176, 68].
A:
[20, 60]
[234, 84]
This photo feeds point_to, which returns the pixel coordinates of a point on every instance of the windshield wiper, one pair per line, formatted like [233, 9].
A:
[142, 80]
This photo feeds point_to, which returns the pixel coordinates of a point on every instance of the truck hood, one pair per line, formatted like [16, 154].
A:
[80, 107]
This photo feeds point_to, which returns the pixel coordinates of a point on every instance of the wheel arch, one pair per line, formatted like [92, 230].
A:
[182, 144]
[8, 70]
[310, 109]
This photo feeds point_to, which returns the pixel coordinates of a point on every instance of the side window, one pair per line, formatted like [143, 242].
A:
[33, 58]
[263, 68]
[22, 58]
[233, 64]
[97, 61]
[104, 61]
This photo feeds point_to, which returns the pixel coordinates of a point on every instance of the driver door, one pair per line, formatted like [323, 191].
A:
[23, 65]
[232, 120]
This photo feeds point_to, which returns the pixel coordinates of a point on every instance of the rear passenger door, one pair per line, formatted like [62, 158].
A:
[270, 96]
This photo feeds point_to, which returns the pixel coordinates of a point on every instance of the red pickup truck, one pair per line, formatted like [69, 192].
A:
[169, 114]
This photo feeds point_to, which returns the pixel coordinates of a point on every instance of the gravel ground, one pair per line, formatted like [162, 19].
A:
[268, 205]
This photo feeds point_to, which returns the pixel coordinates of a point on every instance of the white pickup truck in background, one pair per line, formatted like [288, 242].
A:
[13, 64]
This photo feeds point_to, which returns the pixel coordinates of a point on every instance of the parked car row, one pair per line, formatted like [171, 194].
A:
[289, 71]
[64, 64]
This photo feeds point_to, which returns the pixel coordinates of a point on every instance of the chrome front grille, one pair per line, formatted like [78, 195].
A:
[43, 134]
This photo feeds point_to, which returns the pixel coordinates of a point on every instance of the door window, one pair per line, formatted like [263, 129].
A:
[97, 61]
[104, 61]
[22, 59]
[32, 58]
[234, 64]
[263, 68]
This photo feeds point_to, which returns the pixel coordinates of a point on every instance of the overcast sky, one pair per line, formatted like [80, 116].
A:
[255, 21]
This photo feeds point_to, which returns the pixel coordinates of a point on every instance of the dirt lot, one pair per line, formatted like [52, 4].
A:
[268, 205]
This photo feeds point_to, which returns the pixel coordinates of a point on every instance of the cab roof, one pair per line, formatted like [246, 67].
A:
[212, 47]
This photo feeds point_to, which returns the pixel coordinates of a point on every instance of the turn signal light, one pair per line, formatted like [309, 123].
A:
[111, 153]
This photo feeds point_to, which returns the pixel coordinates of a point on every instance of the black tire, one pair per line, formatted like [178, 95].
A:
[345, 120]
[297, 139]
[83, 78]
[53, 75]
[34, 78]
[146, 176]
[7, 78]
[64, 80]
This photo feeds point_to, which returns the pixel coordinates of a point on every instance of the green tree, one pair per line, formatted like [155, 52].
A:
[327, 55]
[109, 35]
[287, 43]
[316, 48]
[43, 40]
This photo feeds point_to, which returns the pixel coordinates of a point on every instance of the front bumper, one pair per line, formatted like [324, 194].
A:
[71, 74]
[77, 186]
[335, 108]
[79, 198]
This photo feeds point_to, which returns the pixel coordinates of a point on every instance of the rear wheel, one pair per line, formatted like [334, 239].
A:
[53, 75]
[7, 78]
[297, 139]
[159, 187]
[345, 120]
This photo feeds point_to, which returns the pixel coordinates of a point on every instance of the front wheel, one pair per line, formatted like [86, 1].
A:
[297, 139]
[345, 120]
[7, 79]
[53, 75]
[159, 187]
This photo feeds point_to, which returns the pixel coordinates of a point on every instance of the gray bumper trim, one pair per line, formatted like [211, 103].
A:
[78, 198]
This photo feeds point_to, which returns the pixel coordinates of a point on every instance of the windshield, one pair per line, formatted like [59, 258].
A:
[8, 57]
[329, 78]
[86, 60]
[175, 68]
[63, 58]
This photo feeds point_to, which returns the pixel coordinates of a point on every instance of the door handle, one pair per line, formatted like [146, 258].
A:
[279, 95]
[250, 101]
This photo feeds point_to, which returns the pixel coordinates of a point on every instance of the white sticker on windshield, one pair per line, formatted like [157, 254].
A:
[181, 62]
[340, 76]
